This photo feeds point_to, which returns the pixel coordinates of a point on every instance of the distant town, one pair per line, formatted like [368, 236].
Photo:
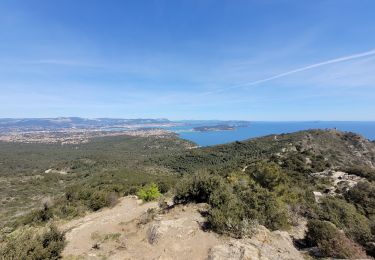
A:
[74, 130]
[76, 137]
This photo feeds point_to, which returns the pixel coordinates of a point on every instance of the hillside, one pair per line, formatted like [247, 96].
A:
[339, 149]
[316, 186]
[31, 174]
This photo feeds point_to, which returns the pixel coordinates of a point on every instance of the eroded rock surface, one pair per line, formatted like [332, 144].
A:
[263, 245]
[117, 233]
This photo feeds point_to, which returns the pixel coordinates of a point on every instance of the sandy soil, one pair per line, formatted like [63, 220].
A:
[82, 234]
[117, 234]
[125, 232]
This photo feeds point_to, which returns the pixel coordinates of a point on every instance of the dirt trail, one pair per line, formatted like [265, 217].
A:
[123, 232]
[83, 233]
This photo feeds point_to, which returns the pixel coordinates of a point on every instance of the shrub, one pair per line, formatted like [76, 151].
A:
[229, 218]
[198, 187]
[112, 199]
[64, 209]
[332, 242]
[295, 162]
[345, 216]
[34, 244]
[148, 216]
[97, 200]
[363, 196]
[38, 216]
[268, 175]
[234, 210]
[227, 214]
[165, 185]
[264, 206]
[149, 192]
[362, 171]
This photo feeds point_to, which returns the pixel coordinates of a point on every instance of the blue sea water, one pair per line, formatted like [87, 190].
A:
[257, 129]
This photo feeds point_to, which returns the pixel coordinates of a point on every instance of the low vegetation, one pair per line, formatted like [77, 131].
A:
[261, 194]
[266, 181]
[149, 192]
[362, 171]
[42, 183]
[82, 177]
[345, 216]
[33, 243]
[332, 242]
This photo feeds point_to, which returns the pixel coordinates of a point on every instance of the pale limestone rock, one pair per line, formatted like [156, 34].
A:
[264, 245]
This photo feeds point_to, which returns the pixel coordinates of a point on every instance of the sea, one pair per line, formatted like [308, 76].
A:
[257, 129]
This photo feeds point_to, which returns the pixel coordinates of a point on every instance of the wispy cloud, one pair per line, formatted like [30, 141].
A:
[291, 72]
[61, 63]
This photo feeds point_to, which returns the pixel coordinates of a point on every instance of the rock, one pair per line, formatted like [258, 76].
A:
[170, 202]
[177, 234]
[177, 227]
[154, 233]
[318, 195]
[341, 182]
[234, 251]
[298, 232]
[308, 161]
[264, 245]
[96, 246]
[370, 246]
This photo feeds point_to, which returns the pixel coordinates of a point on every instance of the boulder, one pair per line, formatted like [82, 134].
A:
[264, 245]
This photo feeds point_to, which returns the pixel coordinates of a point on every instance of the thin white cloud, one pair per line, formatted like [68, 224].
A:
[61, 63]
[313, 66]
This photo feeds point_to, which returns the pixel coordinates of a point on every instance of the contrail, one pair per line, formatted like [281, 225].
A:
[313, 66]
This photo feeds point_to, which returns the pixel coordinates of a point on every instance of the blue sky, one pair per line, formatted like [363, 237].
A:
[188, 59]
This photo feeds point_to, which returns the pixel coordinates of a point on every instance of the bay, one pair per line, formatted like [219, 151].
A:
[257, 129]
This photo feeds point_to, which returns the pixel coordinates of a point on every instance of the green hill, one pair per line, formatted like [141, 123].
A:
[323, 177]
[324, 148]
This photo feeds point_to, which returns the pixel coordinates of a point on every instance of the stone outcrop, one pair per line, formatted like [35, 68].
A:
[177, 234]
[263, 245]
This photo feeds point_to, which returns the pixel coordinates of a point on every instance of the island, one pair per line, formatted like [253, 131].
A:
[214, 128]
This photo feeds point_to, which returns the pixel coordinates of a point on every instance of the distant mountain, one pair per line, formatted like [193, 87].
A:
[72, 122]
[214, 128]
[65, 123]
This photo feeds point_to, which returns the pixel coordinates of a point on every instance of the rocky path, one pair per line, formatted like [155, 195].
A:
[122, 233]
[84, 233]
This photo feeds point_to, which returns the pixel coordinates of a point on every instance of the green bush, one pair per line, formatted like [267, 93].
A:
[363, 196]
[229, 218]
[149, 192]
[93, 198]
[227, 215]
[164, 186]
[332, 242]
[295, 162]
[362, 171]
[264, 206]
[268, 175]
[233, 209]
[68, 210]
[28, 243]
[97, 200]
[198, 187]
[345, 216]
[38, 216]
